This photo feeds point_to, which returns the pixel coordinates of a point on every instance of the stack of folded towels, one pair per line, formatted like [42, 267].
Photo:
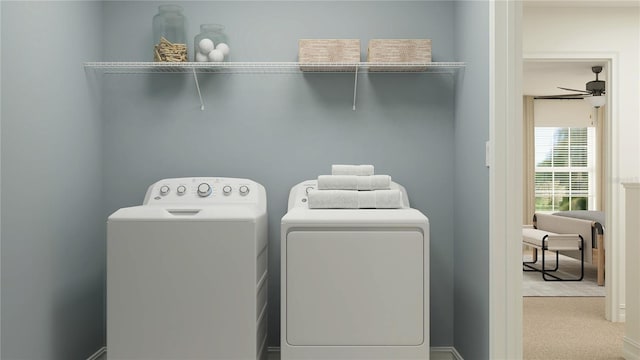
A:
[354, 187]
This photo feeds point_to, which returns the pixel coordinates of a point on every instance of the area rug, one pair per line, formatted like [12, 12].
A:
[534, 285]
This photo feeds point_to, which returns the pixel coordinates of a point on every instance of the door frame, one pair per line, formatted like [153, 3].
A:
[505, 183]
[505, 179]
[614, 307]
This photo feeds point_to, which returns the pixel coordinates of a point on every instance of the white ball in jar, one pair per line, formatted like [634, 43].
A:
[216, 55]
[224, 48]
[200, 57]
[206, 45]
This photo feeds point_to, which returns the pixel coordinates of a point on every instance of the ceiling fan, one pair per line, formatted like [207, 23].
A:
[594, 92]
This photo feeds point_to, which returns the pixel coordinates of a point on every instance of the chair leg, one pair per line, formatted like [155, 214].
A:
[527, 264]
[600, 261]
[529, 267]
[534, 256]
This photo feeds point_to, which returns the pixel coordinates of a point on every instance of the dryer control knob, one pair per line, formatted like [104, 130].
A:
[227, 190]
[204, 190]
[244, 190]
[164, 190]
[181, 190]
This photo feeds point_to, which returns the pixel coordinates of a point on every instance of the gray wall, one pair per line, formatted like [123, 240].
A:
[283, 129]
[52, 218]
[75, 148]
[471, 243]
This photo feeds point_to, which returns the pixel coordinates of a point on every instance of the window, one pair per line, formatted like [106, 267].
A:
[565, 168]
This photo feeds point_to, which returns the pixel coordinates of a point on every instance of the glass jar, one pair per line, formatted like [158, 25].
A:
[211, 44]
[169, 34]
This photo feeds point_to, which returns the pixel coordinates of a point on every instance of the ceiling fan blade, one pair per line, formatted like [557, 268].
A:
[565, 96]
[576, 90]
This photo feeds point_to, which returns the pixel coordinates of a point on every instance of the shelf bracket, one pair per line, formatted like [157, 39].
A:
[195, 77]
[355, 88]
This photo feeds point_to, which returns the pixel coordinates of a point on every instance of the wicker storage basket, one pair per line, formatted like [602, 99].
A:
[319, 51]
[398, 51]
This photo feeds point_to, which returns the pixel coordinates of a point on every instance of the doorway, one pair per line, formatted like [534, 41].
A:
[549, 70]
[506, 137]
[565, 147]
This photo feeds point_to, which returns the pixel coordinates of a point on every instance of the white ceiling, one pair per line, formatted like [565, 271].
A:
[544, 77]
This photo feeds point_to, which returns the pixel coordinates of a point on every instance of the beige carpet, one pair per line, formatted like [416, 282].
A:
[569, 328]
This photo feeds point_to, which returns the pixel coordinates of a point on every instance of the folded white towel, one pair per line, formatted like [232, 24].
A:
[333, 199]
[362, 170]
[349, 199]
[354, 182]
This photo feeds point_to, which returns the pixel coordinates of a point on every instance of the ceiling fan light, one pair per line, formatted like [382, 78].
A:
[595, 101]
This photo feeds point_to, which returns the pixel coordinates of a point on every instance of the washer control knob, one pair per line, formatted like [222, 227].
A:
[164, 190]
[204, 190]
[309, 188]
[181, 190]
[227, 190]
[244, 190]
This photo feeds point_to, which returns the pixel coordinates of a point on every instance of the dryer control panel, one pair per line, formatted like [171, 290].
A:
[203, 190]
[298, 194]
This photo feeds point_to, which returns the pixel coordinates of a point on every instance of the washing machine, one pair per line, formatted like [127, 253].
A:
[187, 272]
[354, 283]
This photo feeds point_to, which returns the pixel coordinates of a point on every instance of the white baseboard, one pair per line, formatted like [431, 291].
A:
[436, 353]
[96, 355]
[630, 349]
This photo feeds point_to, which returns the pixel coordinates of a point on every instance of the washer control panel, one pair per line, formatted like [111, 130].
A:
[202, 190]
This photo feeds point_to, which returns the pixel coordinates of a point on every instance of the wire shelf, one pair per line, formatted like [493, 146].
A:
[196, 68]
[270, 67]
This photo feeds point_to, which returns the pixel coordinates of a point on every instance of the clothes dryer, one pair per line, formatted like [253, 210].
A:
[187, 272]
[354, 283]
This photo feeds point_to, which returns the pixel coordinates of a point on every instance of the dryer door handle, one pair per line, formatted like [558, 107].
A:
[184, 212]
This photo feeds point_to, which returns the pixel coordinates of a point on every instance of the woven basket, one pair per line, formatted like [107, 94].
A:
[335, 51]
[398, 51]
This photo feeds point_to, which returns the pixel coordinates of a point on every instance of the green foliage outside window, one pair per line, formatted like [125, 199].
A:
[565, 186]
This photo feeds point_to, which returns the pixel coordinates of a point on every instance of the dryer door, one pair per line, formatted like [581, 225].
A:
[355, 288]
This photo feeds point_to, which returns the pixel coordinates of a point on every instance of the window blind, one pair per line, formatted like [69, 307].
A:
[565, 168]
